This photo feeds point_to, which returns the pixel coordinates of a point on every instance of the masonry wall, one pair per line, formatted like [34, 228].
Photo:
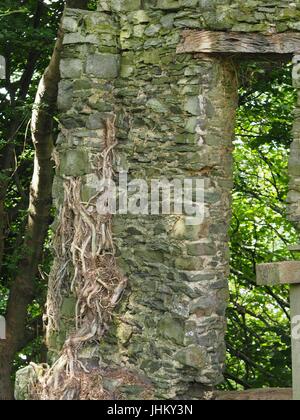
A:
[174, 117]
[294, 161]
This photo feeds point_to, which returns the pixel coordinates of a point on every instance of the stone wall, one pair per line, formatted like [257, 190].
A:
[294, 161]
[174, 118]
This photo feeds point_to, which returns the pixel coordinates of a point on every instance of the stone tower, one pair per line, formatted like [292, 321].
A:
[166, 115]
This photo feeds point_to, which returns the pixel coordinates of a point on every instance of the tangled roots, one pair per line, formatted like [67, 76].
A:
[84, 252]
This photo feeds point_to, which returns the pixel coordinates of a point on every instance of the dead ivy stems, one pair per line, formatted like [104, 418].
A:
[83, 242]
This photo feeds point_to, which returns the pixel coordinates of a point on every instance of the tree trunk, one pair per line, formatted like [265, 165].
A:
[23, 290]
[6, 388]
[7, 155]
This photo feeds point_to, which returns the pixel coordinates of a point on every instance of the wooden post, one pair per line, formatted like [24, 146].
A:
[287, 272]
[295, 314]
[2, 67]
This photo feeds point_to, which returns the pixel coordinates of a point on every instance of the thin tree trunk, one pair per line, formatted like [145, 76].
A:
[22, 291]
[7, 155]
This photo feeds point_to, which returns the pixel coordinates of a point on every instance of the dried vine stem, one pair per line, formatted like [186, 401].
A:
[84, 243]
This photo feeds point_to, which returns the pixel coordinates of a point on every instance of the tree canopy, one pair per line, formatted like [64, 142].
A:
[258, 336]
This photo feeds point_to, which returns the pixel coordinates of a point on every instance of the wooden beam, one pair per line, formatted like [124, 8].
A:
[294, 248]
[287, 272]
[295, 316]
[266, 394]
[239, 42]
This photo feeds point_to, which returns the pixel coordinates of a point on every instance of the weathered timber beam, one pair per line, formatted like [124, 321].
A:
[266, 394]
[239, 42]
[287, 272]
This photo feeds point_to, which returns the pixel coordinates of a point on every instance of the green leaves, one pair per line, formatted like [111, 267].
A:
[258, 328]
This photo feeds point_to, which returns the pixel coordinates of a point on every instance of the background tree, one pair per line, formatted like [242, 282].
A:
[258, 338]
[27, 36]
[24, 206]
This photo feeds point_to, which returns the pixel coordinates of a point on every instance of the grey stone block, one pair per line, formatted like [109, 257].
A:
[71, 68]
[104, 66]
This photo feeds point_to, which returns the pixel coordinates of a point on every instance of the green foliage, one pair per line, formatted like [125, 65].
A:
[258, 336]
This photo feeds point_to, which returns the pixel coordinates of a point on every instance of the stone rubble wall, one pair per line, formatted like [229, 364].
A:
[89, 67]
[294, 161]
[174, 118]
